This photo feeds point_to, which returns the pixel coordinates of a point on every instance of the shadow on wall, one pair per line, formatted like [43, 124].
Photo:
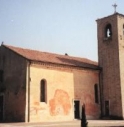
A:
[79, 62]
[84, 93]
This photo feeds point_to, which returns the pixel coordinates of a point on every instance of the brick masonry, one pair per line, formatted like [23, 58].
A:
[111, 52]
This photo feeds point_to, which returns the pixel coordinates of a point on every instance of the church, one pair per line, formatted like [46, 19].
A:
[38, 86]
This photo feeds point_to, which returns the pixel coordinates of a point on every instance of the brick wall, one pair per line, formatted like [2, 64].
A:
[14, 69]
[121, 55]
[109, 60]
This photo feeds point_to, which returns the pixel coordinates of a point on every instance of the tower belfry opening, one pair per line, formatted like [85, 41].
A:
[108, 31]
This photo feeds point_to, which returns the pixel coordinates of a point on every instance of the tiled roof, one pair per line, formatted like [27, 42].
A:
[46, 57]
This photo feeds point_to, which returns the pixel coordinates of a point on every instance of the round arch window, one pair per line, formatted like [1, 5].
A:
[108, 31]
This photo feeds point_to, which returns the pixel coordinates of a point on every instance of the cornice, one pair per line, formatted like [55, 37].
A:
[46, 64]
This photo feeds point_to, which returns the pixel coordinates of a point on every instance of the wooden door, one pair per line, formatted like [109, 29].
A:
[77, 109]
[1, 108]
[106, 108]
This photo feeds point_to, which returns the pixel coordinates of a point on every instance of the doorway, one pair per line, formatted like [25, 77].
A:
[1, 108]
[76, 109]
[106, 108]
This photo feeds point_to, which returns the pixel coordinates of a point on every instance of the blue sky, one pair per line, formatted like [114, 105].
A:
[57, 26]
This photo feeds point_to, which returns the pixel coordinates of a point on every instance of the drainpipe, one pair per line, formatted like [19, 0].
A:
[28, 92]
[101, 92]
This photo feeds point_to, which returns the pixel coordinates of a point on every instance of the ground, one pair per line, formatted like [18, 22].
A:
[75, 123]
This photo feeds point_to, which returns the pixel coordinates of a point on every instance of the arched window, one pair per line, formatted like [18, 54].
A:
[1, 75]
[123, 29]
[43, 91]
[96, 93]
[108, 31]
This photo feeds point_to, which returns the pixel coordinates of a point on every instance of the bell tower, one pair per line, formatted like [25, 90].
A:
[110, 34]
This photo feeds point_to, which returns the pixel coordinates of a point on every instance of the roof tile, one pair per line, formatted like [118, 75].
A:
[39, 56]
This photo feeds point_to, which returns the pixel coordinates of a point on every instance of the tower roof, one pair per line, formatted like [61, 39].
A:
[115, 14]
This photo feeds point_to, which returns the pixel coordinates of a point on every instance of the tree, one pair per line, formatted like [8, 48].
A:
[83, 119]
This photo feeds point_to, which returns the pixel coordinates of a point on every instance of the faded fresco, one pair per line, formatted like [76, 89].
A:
[60, 104]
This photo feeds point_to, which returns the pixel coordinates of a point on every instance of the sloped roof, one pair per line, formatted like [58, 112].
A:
[46, 57]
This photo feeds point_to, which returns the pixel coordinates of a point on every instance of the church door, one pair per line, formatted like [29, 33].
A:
[77, 109]
[106, 108]
[1, 108]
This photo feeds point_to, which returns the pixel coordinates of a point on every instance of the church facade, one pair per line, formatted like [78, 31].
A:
[40, 87]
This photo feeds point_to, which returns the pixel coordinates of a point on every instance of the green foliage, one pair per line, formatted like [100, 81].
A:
[83, 120]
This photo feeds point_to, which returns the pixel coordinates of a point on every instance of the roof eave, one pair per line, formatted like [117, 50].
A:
[65, 65]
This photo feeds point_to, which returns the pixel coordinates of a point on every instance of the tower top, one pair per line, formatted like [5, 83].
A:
[114, 5]
[115, 14]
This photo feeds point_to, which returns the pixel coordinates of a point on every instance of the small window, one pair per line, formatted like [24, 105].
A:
[43, 91]
[1, 75]
[96, 93]
[108, 31]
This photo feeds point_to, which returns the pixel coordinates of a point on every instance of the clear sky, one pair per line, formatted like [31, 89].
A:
[57, 26]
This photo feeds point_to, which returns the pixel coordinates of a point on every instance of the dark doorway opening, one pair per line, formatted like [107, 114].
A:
[77, 109]
[1, 108]
[106, 108]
